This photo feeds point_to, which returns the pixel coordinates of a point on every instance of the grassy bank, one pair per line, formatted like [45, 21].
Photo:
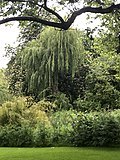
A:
[62, 153]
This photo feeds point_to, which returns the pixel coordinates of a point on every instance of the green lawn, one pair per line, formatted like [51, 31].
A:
[62, 153]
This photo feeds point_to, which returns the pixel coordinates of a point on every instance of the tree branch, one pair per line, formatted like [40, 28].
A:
[42, 6]
[63, 25]
[54, 13]
[14, 1]
[92, 10]
[34, 19]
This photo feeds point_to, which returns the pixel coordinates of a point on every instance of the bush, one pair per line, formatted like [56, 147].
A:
[15, 136]
[19, 111]
[96, 129]
[43, 135]
[62, 123]
[22, 126]
[104, 98]
[13, 112]
[44, 106]
[62, 102]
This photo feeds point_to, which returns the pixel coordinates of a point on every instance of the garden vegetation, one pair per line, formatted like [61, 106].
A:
[37, 125]
[61, 87]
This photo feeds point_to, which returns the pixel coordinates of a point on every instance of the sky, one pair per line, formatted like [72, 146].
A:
[9, 34]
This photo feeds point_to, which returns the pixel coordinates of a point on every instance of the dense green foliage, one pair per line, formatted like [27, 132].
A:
[24, 123]
[65, 84]
[102, 84]
[97, 129]
[70, 62]
[45, 62]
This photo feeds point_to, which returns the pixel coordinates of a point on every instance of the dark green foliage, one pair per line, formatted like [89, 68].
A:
[62, 102]
[79, 82]
[15, 75]
[15, 136]
[65, 84]
[97, 129]
[102, 84]
[29, 31]
[74, 86]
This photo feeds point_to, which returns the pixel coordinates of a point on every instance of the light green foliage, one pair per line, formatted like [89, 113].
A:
[54, 53]
[22, 123]
[4, 92]
[12, 112]
[62, 123]
[19, 111]
[44, 105]
[43, 135]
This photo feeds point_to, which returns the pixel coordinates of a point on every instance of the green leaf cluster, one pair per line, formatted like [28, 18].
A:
[4, 92]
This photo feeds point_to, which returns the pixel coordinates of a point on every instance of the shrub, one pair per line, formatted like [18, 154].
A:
[45, 106]
[105, 99]
[62, 123]
[96, 129]
[62, 102]
[43, 135]
[15, 136]
[11, 112]
[18, 112]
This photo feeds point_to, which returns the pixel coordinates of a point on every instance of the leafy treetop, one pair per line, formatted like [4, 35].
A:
[48, 12]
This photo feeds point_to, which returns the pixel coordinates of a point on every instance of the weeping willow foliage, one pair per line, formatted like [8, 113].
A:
[52, 54]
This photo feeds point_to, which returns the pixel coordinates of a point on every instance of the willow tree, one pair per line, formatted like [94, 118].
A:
[52, 55]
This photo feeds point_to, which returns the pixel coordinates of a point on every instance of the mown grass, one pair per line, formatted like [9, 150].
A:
[60, 153]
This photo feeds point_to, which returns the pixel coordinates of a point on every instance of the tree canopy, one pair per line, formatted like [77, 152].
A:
[45, 61]
[48, 12]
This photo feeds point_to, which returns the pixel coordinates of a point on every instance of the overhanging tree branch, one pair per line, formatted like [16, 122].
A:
[54, 13]
[92, 10]
[63, 24]
[44, 6]
[34, 19]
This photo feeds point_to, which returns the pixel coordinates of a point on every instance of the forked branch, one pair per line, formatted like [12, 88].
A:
[61, 24]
